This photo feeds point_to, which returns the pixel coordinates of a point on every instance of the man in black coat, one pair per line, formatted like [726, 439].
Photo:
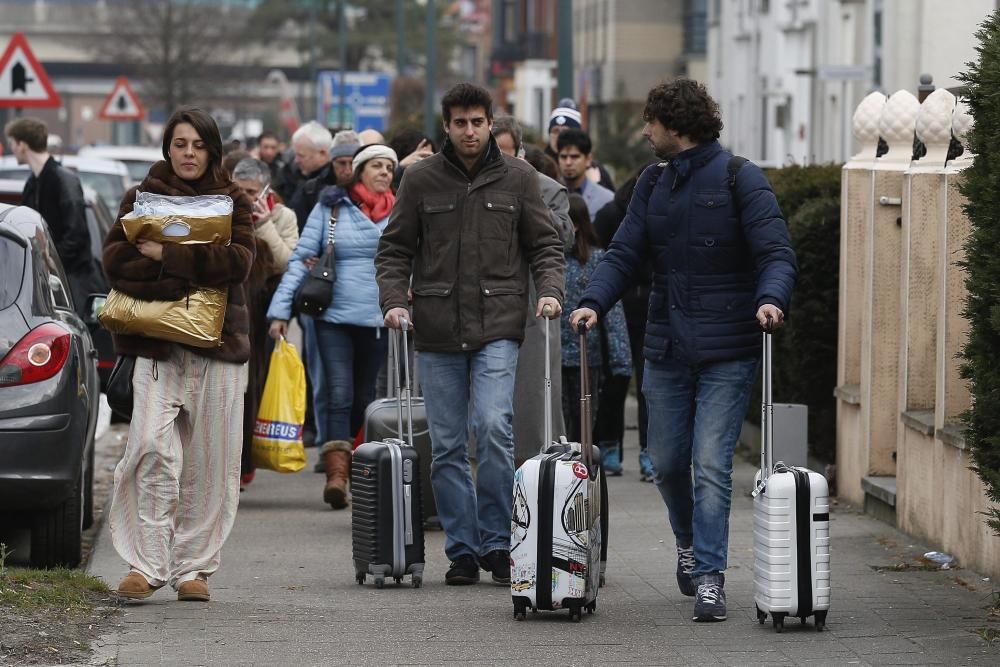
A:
[55, 192]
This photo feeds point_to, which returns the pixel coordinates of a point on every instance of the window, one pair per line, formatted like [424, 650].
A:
[11, 270]
[695, 27]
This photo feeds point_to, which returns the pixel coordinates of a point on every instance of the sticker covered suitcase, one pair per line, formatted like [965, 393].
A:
[386, 521]
[791, 531]
[556, 524]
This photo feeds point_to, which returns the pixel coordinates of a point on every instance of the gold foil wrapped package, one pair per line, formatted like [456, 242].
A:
[182, 229]
[195, 320]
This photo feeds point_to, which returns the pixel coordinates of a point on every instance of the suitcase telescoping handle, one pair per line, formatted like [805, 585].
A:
[547, 442]
[586, 422]
[402, 359]
[766, 412]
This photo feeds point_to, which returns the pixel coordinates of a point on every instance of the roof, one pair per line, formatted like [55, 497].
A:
[150, 153]
[92, 165]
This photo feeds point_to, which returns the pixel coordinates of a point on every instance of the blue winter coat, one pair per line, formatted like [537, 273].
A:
[355, 293]
[718, 254]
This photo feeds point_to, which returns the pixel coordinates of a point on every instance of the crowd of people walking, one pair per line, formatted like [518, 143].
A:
[472, 240]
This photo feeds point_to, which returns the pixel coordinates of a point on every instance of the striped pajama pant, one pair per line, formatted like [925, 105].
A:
[178, 484]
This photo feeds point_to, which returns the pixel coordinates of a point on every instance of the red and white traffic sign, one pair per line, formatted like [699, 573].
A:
[23, 81]
[122, 103]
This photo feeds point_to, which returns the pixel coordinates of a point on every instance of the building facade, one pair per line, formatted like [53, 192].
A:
[788, 74]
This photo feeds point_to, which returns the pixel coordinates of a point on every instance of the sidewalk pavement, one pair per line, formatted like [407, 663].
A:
[285, 595]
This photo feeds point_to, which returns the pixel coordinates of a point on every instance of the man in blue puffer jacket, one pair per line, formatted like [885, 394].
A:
[723, 267]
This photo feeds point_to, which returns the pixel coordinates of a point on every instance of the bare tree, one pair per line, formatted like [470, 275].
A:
[174, 45]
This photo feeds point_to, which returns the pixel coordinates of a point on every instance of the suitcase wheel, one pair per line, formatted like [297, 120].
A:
[520, 610]
[601, 583]
[576, 614]
[592, 607]
[398, 580]
[820, 620]
[417, 581]
[761, 615]
[778, 621]
[360, 578]
[379, 582]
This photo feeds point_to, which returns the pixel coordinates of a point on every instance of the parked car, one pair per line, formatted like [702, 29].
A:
[10, 191]
[138, 159]
[99, 223]
[49, 395]
[109, 178]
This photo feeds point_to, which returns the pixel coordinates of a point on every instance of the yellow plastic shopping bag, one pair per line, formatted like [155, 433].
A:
[277, 435]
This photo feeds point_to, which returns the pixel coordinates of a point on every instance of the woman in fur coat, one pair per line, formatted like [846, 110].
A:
[177, 486]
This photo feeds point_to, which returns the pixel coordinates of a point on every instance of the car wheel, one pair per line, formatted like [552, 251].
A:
[88, 494]
[56, 533]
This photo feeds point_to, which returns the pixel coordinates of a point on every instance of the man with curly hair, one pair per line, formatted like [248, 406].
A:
[723, 268]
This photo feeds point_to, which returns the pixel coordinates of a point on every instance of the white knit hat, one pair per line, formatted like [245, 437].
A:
[372, 151]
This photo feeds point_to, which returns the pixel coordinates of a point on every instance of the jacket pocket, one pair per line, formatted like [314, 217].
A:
[433, 289]
[439, 203]
[502, 287]
[498, 217]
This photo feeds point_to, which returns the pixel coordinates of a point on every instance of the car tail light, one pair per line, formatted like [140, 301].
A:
[38, 356]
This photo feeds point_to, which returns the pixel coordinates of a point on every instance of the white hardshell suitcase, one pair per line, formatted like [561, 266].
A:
[556, 535]
[791, 531]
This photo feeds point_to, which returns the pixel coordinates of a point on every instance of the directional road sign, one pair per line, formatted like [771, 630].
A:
[121, 103]
[23, 81]
[365, 99]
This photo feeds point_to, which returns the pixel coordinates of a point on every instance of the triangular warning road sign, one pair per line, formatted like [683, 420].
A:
[23, 81]
[122, 103]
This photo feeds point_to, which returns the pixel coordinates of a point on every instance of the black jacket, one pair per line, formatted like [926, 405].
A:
[307, 193]
[57, 195]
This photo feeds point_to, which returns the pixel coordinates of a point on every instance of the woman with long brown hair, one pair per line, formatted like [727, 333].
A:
[177, 485]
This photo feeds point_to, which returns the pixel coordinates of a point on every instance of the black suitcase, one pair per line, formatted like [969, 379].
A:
[380, 418]
[387, 531]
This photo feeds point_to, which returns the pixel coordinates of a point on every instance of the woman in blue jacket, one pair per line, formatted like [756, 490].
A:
[349, 333]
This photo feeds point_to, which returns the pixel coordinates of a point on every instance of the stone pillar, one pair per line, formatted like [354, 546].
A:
[922, 214]
[953, 396]
[880, 337]
[917, 474]
[855, 215]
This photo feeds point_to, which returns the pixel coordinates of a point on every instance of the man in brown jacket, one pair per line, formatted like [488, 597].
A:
[467, 225]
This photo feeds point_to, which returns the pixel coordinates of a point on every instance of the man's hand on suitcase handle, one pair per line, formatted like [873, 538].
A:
[548, 307]
[770, 317]
[585, 316]
[395, 315]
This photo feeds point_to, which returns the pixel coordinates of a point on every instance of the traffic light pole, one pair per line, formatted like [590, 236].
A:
[565, 36]
[431, 67]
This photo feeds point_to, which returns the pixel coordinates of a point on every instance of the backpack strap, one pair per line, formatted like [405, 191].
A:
[733, 167]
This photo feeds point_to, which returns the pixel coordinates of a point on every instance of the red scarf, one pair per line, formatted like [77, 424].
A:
[376, 206]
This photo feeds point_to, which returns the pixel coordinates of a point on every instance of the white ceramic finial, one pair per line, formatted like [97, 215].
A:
[934, 126]
[865, 121]
[896, 125]
[961, 122]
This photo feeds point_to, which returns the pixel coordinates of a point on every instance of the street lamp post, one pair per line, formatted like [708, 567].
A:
[342, 37]
[565, 30]
[431, 66]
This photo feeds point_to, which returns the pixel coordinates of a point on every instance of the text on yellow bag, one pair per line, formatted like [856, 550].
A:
[277, 434]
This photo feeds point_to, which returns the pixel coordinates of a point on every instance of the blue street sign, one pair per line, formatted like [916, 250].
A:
[366, 99]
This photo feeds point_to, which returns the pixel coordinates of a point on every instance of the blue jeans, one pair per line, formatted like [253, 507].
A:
[317, 382]
[351, 358]
[463, 392]
[695, 415]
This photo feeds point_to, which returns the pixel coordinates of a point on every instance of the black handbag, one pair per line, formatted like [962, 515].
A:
[119, 390]
[316, 291]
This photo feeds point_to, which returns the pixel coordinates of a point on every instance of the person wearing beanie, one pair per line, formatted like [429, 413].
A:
[567, 117]
[349, 338]
[345, 144]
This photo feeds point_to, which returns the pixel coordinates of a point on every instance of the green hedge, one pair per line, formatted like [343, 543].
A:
[805, 350]
[981, 186]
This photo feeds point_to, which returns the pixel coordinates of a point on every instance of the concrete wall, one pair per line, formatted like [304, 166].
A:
[899, 393]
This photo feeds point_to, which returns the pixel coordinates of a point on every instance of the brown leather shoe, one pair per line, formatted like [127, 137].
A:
[135, 587]
[337, 458]
[195, 590]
